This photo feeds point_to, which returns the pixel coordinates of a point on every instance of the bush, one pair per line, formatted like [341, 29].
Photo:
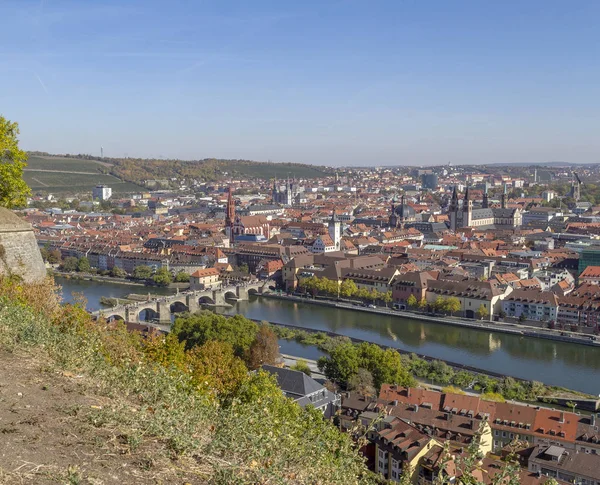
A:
[302, 366]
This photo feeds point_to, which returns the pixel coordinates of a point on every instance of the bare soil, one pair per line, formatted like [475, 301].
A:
[48, 435]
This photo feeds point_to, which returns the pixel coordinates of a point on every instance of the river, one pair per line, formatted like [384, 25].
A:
[558, 363]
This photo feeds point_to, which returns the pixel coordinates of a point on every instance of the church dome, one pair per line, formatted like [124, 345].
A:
[404, 211]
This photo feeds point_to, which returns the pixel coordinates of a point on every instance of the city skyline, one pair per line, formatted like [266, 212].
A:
[336, 83]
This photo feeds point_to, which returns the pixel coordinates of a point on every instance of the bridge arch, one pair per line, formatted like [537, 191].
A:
[114, 317]
[206, 300]
[146, 314]
[230, 295]
[179, 307]
[253, 291]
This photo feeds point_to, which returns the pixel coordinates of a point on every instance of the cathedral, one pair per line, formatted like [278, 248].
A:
[236, 225]
[485, 217]
[401, 214]
[286, 195]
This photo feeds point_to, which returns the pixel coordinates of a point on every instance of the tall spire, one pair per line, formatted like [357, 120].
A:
[485, 204]
[503, 200]
[230, 216]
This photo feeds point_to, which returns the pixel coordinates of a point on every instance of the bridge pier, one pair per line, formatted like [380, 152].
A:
[131, 315]
[163, 308]
[242, 293]
[192, 303]
[219, 298]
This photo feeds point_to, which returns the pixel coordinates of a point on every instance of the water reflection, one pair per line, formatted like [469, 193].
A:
[558, 363]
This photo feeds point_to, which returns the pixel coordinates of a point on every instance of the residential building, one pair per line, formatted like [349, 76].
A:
[205, 278]
[305, 390]
[531, 304]
[101, 192]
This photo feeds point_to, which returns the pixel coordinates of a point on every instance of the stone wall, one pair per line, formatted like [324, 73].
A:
[19, 252]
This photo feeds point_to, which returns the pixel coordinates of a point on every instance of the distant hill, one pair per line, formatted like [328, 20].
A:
[62, 175]
[210, 170]
[137, 171]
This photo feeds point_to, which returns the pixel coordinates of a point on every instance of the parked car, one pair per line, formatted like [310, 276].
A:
[372, 306]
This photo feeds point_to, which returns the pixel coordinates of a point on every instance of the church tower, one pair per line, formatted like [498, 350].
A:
[486, 203]
[503, 202]
[467, 210]
[230, 216]
[393, 221]
[453, 210]
[335, 230]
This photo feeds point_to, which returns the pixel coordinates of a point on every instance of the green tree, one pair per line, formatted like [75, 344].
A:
[162, 277]
[117, 272]
[264, 349]
[244, 268]
[439, 305]
[452, 305]
[69, 264]
[182, 277]
[83, 265]
[423, 304]
[203, 326]
[142, 272]
[342, 363]
[482, 312]
[13, 189]
[302, 366]
[348, 288]
[412, 301]
[387, 298]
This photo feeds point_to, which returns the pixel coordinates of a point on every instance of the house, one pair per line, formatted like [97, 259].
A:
[590, 275]
[399, 446]
[413, 283]
[531, 304]
[305, 390]
[204, 278]
[557, 462]
[472, 295]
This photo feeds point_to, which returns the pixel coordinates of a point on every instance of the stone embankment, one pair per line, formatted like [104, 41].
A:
[510, 328]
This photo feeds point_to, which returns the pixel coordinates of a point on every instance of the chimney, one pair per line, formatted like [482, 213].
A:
[395, 402]
[562, 417]
[593, 419]
[408, 391]
[416, 408]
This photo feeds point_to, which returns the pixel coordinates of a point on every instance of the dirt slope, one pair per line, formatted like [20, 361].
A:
[50, 432]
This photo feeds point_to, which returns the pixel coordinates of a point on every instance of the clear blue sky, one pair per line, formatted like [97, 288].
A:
[316, 81]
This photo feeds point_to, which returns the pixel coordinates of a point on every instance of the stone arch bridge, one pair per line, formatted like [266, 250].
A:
[162, 308]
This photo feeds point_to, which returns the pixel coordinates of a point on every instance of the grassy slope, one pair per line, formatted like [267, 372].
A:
[82, 405]
[62, 180]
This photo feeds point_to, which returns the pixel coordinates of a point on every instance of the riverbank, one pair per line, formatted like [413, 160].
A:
[114, 280]
[97, 278]
[508, 328]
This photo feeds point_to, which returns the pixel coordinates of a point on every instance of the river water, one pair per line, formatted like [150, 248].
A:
[558, 363]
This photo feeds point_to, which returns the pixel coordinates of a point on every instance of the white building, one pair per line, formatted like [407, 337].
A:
[101, 192]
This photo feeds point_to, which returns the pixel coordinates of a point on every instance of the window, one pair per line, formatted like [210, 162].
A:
[504, 434]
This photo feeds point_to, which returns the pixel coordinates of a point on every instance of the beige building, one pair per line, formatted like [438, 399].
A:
[204, 279]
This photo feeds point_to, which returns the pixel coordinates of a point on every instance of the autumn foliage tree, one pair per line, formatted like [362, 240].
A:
[264, 349]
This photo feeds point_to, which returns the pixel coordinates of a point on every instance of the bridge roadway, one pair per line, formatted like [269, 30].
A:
[188, 301]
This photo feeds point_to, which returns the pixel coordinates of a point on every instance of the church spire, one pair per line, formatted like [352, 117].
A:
[230, 216]
[486, 203]
[503, 202]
